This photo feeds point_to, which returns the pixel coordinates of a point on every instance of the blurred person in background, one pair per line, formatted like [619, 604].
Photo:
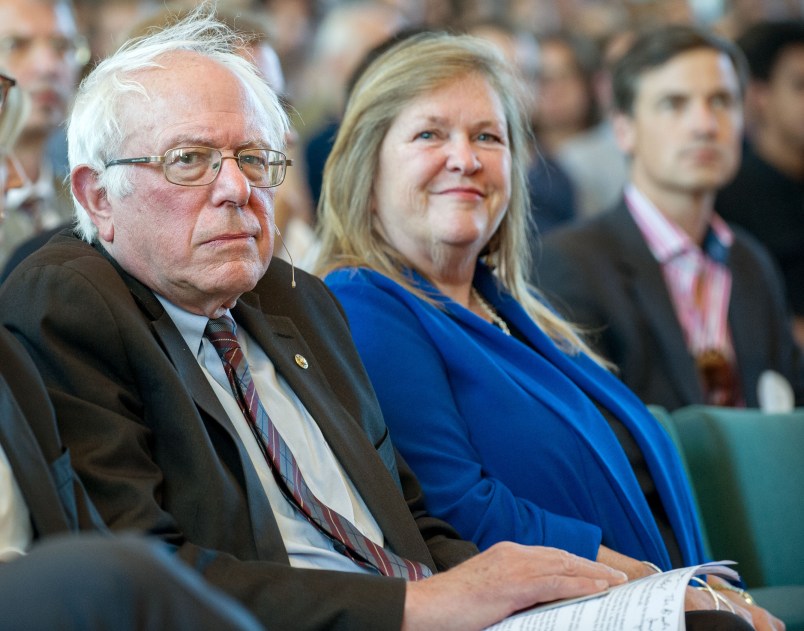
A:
[566, 106]
[595, 164]
[106, 22]
[691, 310]
[738, 15]
[343, 38]
[41, 47]
[767, 195]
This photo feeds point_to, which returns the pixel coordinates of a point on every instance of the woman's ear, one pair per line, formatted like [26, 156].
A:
[92, 197]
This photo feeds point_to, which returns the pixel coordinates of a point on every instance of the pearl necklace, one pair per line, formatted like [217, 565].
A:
[490, 312]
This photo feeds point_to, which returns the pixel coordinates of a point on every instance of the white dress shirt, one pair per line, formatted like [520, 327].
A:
[16, 532]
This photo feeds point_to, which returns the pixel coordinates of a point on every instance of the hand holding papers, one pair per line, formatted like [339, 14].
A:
[655, 602]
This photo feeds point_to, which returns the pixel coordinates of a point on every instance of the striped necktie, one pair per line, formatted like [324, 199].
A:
[347, 539]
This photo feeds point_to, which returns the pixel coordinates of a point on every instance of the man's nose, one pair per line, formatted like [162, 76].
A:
[232, 182]
[704, 118]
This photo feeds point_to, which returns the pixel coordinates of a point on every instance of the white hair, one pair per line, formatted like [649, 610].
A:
[95, 132]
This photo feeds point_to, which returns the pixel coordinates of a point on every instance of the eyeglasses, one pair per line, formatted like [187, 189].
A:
[74, 49]
[199, 166]
[6, 83]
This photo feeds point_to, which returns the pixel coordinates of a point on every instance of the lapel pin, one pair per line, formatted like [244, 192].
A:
[301, 362]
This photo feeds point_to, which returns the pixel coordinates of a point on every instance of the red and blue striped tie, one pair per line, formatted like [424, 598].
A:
[347, 538]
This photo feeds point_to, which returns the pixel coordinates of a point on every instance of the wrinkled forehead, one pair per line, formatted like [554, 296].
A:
[188, 89]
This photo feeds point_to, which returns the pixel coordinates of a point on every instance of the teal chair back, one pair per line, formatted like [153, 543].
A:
[747, 469]
[666, 420]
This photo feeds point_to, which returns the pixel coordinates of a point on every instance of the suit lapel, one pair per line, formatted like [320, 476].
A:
[651, 297]
[743, 323]
[182, 358]
[263, 524]
[186, 364]
[282, 341]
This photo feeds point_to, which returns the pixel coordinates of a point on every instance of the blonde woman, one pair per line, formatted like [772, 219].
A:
[516, 431]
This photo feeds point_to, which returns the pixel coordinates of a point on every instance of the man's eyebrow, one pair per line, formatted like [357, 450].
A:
[202, 140]
[672, 93]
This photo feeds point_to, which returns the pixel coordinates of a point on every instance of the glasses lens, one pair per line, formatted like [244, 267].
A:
[263, 167]
[192, 166]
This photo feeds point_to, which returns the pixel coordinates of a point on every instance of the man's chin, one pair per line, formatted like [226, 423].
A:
[235, 278]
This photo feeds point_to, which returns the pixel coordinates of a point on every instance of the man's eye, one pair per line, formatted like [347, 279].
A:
[14, 44]
[723, 101]
[254, 160]
[190, 158]
[61, 45]
[676, 103]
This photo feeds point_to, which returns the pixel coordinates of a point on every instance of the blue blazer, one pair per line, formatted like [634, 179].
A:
[506, 440]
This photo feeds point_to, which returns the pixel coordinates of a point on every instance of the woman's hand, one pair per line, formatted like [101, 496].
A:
[761, 618]
[632, 568]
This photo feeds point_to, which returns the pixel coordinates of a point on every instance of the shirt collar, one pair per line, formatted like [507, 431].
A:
[666, 240]
[190, 325]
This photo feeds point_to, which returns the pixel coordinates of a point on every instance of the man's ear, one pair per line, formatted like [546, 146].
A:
[624, 133]
[92, 196]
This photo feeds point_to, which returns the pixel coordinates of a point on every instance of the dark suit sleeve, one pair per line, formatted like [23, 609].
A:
[762, 329]
[77, 338]
[36, 412]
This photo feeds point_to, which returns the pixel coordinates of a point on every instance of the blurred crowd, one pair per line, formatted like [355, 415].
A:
[310, 49]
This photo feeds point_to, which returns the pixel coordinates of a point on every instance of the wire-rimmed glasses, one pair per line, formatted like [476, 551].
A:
[199, 166]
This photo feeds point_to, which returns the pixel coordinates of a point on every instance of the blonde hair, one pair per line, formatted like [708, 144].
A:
[415, 66]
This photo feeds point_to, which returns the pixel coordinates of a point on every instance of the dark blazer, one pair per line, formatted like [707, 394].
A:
[41, 466]
[158, 454]
[602, 275]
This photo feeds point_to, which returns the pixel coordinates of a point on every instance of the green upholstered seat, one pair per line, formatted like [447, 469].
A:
[747, 471]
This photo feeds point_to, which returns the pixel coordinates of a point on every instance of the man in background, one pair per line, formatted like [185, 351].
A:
[689, 310]
[42, 49]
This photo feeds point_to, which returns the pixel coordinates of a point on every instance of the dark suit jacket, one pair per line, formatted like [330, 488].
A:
[158, 454]
[602, 275]
[40, 464]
